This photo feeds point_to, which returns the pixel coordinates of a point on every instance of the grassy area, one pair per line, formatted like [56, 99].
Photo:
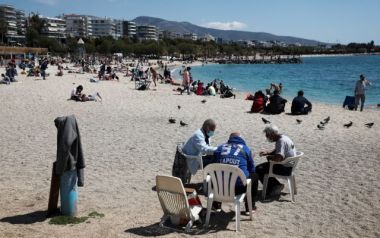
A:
[67, 220]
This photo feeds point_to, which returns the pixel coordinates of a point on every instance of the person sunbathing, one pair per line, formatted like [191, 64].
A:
[77, 95]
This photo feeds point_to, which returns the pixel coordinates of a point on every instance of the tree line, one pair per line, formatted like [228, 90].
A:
[172, 47]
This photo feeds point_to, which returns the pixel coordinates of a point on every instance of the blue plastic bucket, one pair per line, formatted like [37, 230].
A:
[69, 193]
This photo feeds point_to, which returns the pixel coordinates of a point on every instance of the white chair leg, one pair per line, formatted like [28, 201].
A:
[237, 216]
[291, 188]
[209, 205]
[249, 200]
[265, 184]
[189, 225]
[294, 184]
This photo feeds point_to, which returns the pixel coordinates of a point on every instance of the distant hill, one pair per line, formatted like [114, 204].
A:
[186, 27]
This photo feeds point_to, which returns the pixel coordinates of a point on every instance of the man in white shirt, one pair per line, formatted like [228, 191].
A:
[360, 92]
[284, 148]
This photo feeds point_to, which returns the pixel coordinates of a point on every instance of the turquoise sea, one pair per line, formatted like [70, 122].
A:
[323, 79]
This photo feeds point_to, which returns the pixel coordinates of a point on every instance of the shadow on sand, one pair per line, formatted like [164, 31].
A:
[218, 222]
[29, 218]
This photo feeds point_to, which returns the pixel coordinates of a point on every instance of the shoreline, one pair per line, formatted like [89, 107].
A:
[240, 92]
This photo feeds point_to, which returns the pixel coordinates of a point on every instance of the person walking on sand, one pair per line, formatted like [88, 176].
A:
[154, 75]
[360, 92]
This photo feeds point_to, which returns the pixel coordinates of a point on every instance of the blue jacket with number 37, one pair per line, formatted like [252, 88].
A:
[236, 152]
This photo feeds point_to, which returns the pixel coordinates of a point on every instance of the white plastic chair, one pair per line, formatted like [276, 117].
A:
[221, 180]
[174, 202]
[288, 162]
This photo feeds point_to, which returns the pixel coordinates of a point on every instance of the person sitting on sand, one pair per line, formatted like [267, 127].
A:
[276, 104]
[199, 143]
[298, 105]
[235, 152]
[77, 95]
[211, 90]
[5, 79]
[228, 93]
[259, 101]
[11, 72]
[284, 149]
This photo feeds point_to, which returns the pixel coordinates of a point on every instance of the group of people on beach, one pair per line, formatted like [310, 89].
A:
[237, 153]
[199, 88]
[273, 103]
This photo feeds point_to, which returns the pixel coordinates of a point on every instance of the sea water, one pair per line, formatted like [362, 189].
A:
[323, 79]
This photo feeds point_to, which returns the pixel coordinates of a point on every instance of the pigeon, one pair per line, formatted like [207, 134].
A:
[320, 127]
[182, 123]
[265, 120]
[298, 121]
[171, 120]
[348, 124]
[369, 125]
[323, 123]
[179, 107]
[203, 101]
[326, 120]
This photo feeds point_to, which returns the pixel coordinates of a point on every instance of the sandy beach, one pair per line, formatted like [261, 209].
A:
[127, 141]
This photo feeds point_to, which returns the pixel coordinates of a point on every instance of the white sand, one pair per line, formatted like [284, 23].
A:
[127, 141]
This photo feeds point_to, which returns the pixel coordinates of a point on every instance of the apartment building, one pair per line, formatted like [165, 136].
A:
[15, 23]
[102, 27]
[54, 27]
[129, 29]
[147, 32]
[78, 25]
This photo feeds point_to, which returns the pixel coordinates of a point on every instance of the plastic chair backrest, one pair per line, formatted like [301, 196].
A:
[223, 181]
[172, 196]
[292, 161]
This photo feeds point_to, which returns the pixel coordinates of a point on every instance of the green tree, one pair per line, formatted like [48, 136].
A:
[32, 37]
[36, 22]
[104, 47]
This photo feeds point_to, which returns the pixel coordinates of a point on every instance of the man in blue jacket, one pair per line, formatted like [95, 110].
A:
[236, 152]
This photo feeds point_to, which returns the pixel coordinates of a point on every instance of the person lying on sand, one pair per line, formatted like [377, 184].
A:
[77, 95]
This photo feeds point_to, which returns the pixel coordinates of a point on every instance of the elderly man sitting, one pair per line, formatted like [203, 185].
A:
[235, 152]
[199, 143]
[284, 148]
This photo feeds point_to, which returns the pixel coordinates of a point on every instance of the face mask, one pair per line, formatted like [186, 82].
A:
[210, 133]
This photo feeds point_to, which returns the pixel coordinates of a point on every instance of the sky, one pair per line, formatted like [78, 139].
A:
[331, 21]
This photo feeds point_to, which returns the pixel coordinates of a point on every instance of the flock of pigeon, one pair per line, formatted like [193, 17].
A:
[320, 126]
[323, 123]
